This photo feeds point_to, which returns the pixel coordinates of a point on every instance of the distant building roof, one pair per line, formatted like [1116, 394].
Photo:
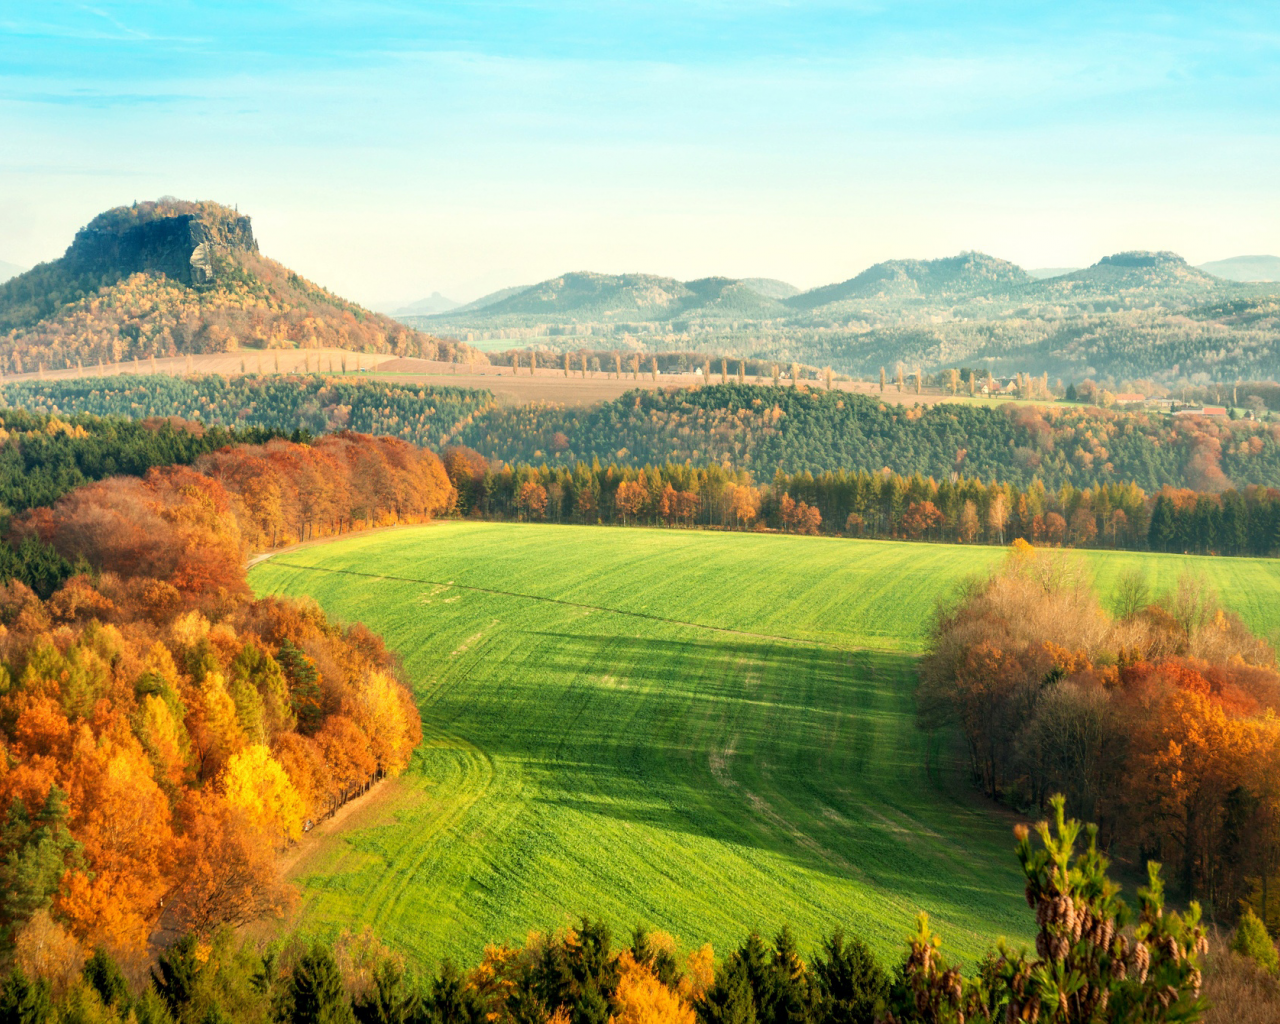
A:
[1130, 396]
[1208, 410]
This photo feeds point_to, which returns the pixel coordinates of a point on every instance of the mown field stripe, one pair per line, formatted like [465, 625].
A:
[573, 604]
[710, 732]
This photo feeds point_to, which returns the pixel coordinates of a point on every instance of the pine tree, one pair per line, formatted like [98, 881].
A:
[23, 1001]
[787, 997]
[1088, 967]
[179, 972]
[37, 853]
[730, 999]
[852, 988]
[314, 994]
[451, 1000]
[1251, 940]
[1164, 526]
[104, 974]
[388, 1000]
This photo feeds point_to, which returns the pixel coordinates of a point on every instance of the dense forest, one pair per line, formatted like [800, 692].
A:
[809, 430]
[423, 415]
[889, 505]
[1158, 721]
[162, 733]
[44, 456]
[742, 427]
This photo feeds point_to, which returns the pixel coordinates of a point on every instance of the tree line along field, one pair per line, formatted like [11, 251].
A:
[757, 428]
[707, 732]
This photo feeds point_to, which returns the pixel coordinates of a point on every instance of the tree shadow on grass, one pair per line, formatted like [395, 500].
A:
[805, 752]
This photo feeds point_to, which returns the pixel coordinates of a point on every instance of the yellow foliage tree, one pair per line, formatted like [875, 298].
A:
[379, 710]
[164, 738]
[700, 970]
[643, 999]
[219, 734]
[259, 788]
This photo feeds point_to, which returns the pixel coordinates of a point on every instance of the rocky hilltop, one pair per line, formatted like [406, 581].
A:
[171, 277]
[186, 242]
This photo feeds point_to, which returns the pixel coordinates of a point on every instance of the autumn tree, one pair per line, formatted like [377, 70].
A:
[630, 499]
[998, 515]
[224, 873]
[920, 518]
[260, 790]
[532, 501]
[161, 740]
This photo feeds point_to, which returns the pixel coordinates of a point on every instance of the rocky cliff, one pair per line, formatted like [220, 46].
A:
[187, 242]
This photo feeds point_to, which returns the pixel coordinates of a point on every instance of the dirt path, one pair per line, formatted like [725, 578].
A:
[263, 556]
[359, 812]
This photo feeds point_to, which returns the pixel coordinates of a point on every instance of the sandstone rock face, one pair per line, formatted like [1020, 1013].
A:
[184, 246]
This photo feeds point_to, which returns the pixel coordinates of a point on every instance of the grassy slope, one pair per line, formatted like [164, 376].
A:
[582, 760]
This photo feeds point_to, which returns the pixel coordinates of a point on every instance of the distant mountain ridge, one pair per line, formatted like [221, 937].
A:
[167, 277]
[1245, 268]
[488, 300]
[770, 288]
[969, 273]
[587, 297]
[433, 303]
[1163, 273]
[1137, 313]
[8, 270]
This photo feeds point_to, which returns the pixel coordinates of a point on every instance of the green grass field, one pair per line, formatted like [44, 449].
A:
[708, 732]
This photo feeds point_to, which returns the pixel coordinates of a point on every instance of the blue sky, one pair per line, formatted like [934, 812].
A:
[393, 149]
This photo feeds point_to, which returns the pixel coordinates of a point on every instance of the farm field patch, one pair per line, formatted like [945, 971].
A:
[707, 732]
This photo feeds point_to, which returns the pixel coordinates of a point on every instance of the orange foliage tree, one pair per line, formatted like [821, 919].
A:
[1159, 723]
[162, 733]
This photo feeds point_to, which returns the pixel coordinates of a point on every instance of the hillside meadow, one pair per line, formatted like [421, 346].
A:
[706, 732]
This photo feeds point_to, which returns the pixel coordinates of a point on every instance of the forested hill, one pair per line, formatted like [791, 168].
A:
[1129, 279]
[797, 430]
[423, 415]
[749, 427]
[172, 277]
[585, 296]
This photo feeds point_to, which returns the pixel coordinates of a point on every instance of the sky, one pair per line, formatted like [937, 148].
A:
[389, 150]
